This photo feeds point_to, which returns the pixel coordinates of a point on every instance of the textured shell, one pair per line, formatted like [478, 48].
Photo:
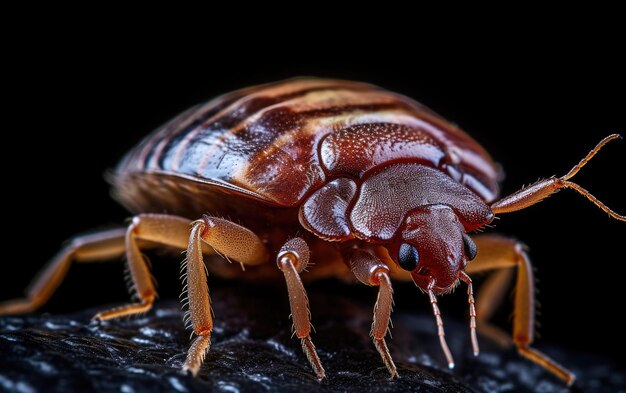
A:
[277, 143]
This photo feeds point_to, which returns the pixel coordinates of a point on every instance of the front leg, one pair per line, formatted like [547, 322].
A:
[371, 271]
[498, 252]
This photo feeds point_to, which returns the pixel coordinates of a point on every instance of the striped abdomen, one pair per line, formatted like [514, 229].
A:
[278, 142]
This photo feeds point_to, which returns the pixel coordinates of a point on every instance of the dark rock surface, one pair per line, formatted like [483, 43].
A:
[252, 352]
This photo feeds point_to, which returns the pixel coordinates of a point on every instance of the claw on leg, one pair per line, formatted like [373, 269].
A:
[129, 309]
[381, 347]
[547, 363]
[311, 354]
[197, 351]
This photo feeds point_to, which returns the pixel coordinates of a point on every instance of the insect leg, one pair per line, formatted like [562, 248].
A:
[490, 297]
[159, 229]
[371, 271]
[292, 258]
[498, 252]
[537, 192]
[230, 240]
[97, 246]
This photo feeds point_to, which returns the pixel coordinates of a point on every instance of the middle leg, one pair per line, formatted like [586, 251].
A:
[292, 259]
[229, 240]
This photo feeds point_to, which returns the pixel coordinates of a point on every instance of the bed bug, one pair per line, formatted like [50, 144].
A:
[376, 185]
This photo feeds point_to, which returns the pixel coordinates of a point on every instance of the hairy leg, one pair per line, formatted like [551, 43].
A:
[160, 229]
[229, 240]
[498, 252]
[292, 259]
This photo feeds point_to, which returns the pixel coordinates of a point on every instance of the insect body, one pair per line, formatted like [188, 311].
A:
[384, 187]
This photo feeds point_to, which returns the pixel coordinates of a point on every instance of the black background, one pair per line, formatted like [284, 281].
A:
[74, 104]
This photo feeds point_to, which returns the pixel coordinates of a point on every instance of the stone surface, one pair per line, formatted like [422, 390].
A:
[252, 351]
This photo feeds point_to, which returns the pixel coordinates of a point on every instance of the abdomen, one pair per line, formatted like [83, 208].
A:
[268, 147]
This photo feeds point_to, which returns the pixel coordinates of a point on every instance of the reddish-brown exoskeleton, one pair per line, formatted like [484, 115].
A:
[385, 188]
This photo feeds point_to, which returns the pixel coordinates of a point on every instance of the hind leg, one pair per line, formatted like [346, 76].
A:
[87, 248]
[160, 229]
[154, 228]
[498, 252]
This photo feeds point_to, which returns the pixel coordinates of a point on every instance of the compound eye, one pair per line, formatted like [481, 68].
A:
[408, 257]
[469, 246]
